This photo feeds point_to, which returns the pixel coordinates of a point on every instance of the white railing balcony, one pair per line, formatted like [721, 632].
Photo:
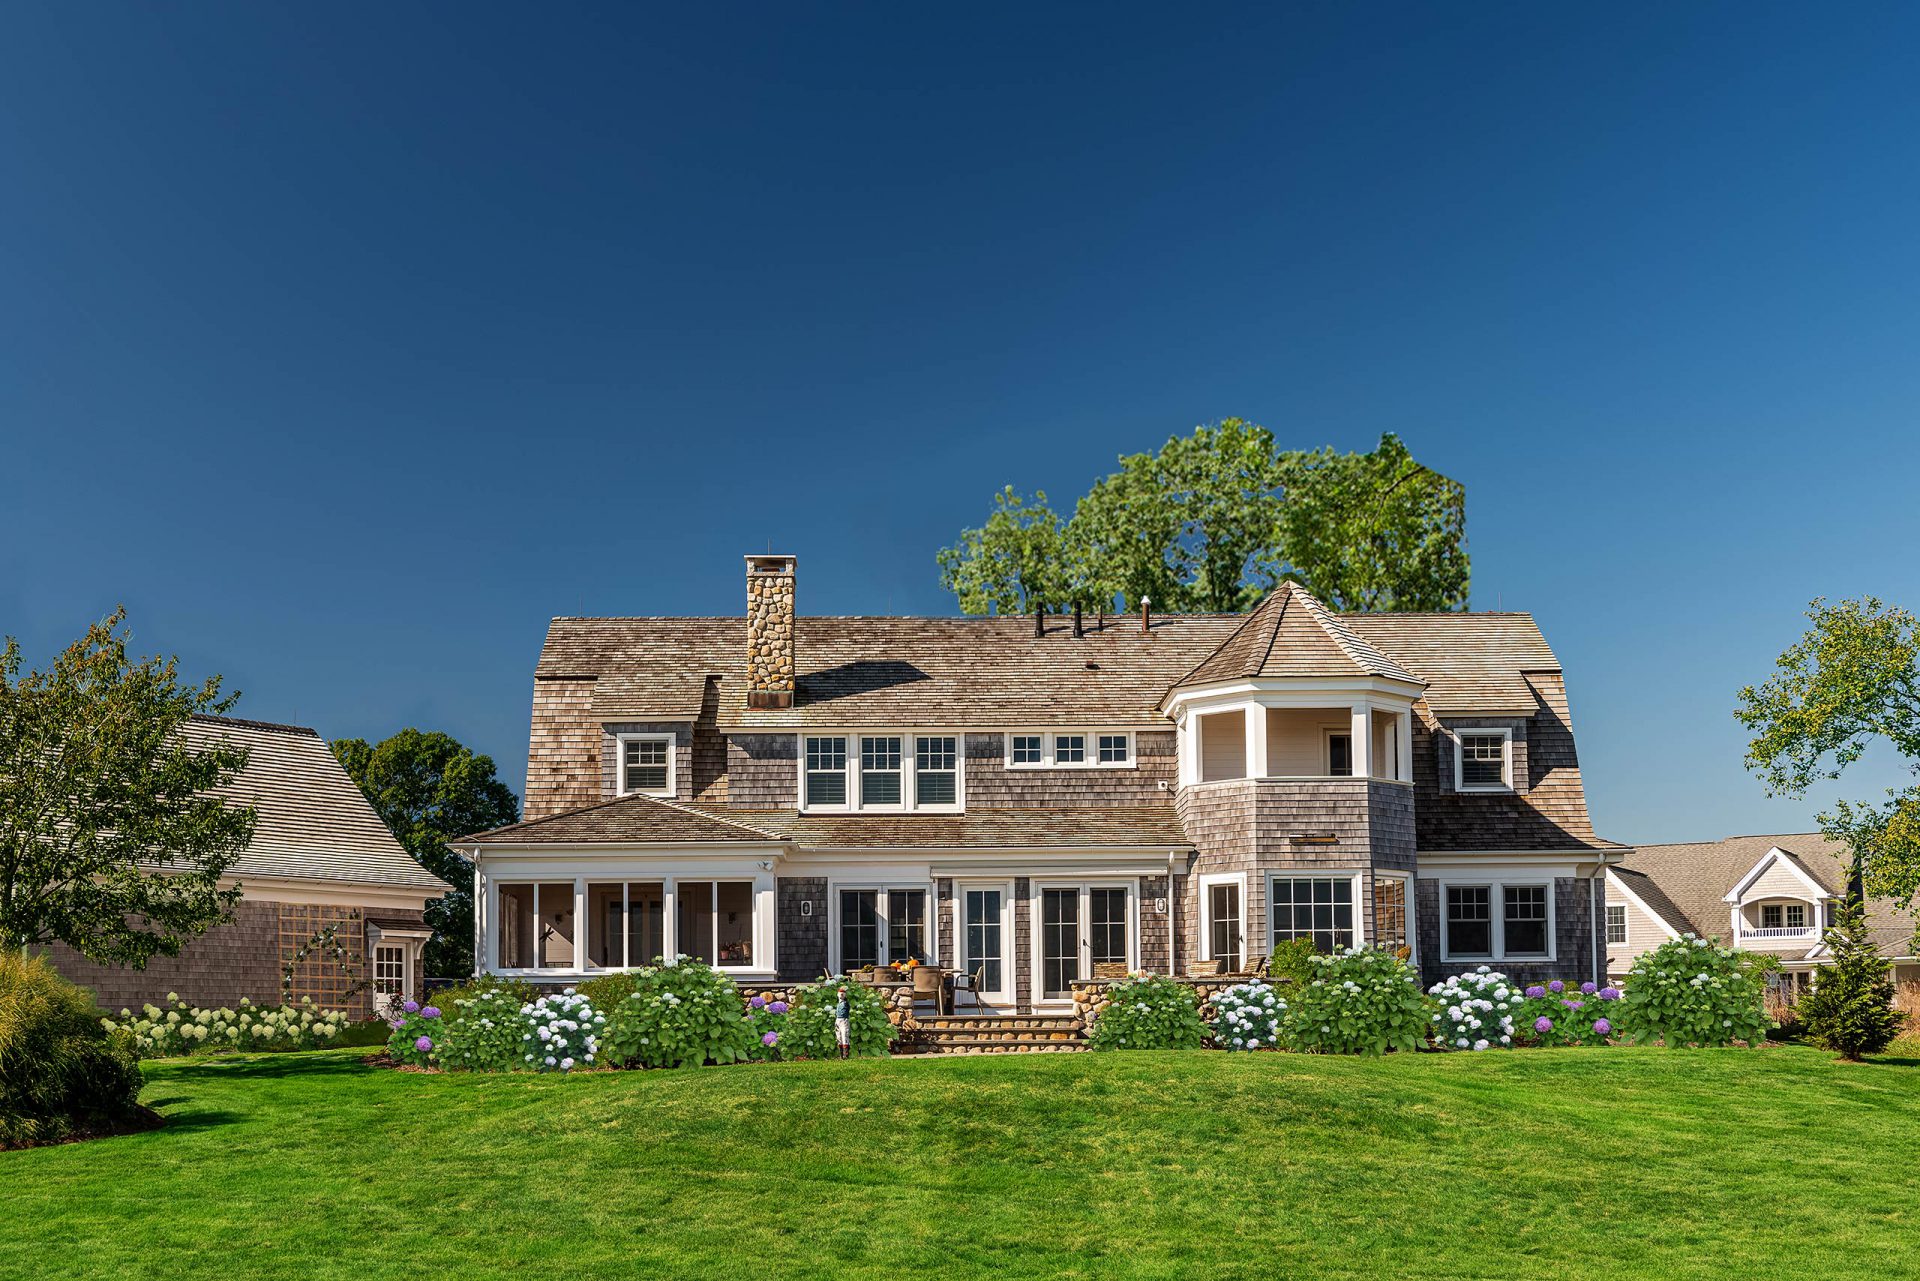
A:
[1778, 933]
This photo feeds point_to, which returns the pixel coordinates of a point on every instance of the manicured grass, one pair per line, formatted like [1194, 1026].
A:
[1617, 1163]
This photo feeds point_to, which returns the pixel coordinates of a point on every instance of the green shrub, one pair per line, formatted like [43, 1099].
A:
[604, 992]
[61, 1069]
[1360, 1001]
[1292, 960]
[767, 1022]
[1850, 1009]
[1557, 1014]
[181, 1028]
[1247, 1016]
[1692, 991]
[484, 1026]
[453, 999]
[809, 1030]
[682, 1014]
[419, 1035]
[1149, 1012]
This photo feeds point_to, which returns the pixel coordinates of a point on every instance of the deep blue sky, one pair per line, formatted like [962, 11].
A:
[347, 344]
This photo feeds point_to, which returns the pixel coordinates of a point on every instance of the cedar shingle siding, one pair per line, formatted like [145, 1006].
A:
[981, 678]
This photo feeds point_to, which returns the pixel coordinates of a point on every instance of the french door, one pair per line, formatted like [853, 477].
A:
[985, 939]
[1084, 931]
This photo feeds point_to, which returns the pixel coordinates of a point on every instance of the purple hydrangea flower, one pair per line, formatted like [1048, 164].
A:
[411, 1007]
[423, 1044]
[1536, 991]
[430, 1012]
[1609, 993]
[1543, 1024]
[758, 1001]
[1572, 1005]
[777, 1007]
[1556, 986]
[1602, 1026]
[770, 1038]
[1588, 988]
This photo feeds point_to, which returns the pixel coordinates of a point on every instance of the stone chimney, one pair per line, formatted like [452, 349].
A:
[770, 631]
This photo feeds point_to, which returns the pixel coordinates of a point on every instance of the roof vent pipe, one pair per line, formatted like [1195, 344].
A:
[1146, 616]
[1079, 626]
[1039, 622]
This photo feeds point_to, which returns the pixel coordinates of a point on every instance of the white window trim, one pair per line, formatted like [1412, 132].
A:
[1047, 749]
[1207, 882]
[1037, 960]
[1354, 874]
[1506, 757]
[620, 763]
[909, 771]
[1407, 904]
[930, 932]
[1497, 931]
[765, 932]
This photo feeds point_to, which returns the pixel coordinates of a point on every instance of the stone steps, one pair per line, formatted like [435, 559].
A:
[996, 1034]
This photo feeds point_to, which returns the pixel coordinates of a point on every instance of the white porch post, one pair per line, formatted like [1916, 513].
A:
[1403, 736]
[1362, 736]
[1256, 718]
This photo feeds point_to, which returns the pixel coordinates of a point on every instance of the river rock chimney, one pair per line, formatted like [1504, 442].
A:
[770, 631]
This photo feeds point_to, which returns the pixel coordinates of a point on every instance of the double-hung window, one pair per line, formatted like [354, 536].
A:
[1498, 922]
[646, 764]
[1484, 760]
[886, 772]
[936, 771]
[1796, 916]
[1616, 922]
[826, 771]
[1772, 917]
[879, 770]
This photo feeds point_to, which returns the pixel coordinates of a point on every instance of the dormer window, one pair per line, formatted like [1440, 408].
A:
[1483, 760]
[891, 773]
[879, 771]
[646, 764]
[1070, 749]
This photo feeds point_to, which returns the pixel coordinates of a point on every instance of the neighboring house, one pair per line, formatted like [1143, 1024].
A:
[1033, 801]
[1773, 894]
[319, 856]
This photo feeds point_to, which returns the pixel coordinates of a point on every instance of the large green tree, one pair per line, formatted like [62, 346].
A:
[114, 838]
[429, 789]
[1850, 681]
[1211, 521]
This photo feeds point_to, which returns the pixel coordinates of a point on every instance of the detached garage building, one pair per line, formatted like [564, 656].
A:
[320, 856]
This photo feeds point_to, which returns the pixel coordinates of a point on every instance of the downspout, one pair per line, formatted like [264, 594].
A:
[1598, 925]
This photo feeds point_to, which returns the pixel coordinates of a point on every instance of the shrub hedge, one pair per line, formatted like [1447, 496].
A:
[62, 1072]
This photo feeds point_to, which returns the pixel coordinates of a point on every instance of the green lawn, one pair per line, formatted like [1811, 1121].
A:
[1616, 1163]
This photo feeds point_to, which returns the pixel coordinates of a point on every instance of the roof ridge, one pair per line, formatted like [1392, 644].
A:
[246, 723]
[711, 816]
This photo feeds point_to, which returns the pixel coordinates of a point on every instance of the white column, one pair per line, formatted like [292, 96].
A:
[1256, 717]
[1403, 732]
[1189, 747]
[1363, 740]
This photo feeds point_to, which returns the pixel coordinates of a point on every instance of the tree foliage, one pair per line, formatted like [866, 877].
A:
[1851, 679]
[428, 789]
[1212, 521]
[1850, 1009]
[113, 835]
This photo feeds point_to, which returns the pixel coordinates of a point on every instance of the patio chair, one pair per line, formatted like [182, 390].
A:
[970, 984]
[930, 984]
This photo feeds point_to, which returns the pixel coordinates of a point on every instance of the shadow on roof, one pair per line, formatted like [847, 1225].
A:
[849, 679]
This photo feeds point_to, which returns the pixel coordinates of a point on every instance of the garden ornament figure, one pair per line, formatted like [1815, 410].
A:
[842, 1028]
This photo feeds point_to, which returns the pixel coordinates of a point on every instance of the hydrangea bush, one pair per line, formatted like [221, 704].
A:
[1149, 1012]
[809, 1030]
[1559, 1013]
[768, 1023]
[1360, 1001]
[1247, 1017]
[1476, 1011]
[563, 1033]
[1692, 991]
[483, 1031]
[681, 1014]
[180, 1028]
[418, 1035]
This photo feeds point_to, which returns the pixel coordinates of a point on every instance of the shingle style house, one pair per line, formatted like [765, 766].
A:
[319, 857]
[1772, 894]
[1034, 803]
